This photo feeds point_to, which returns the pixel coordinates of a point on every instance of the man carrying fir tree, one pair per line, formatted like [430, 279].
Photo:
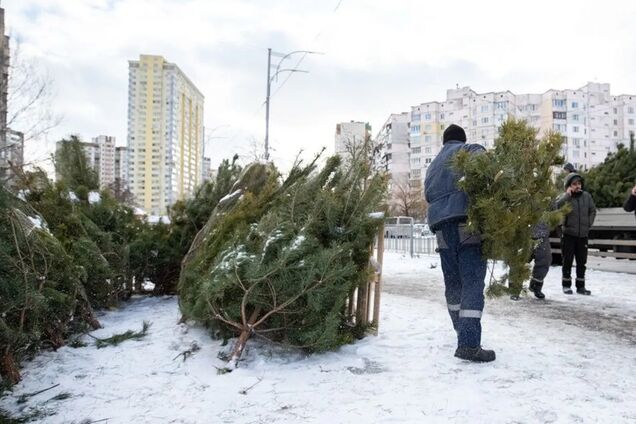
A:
[576, 228]
[463, 264]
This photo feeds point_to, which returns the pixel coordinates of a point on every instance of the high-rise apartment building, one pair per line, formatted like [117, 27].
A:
[392, 151]
[351, 136]
[11, 154]
[165, 134]
[121, 166]
[4, 72]
[104, 158]
[207, 167]
[104, 152]
[11, 143]
[591, 120]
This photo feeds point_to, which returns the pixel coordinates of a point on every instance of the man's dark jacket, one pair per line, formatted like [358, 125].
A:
[578, 222]
[446, 202]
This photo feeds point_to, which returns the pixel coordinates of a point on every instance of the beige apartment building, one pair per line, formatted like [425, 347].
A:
[165, 134]
[592, 121]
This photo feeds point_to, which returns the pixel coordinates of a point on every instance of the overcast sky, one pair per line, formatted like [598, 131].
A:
[381, 57]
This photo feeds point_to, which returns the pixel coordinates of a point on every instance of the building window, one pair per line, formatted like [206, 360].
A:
[441, 115]
[630, 109]
[416, 150]
[615, 121]
[427, 138]
[630, 121]
[558, 103]
[501, 105]
[559, 115]
[415, 117]
[575, 105]
[428, 160]
[575, 129]
[615, 133]
[427, 150]
[484, 108]
[575, 117]
[484, 120]
[427, 116]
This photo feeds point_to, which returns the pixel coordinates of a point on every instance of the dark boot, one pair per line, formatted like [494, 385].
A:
[566, 282]
[580, 287]
[535, 287]
[475, 354]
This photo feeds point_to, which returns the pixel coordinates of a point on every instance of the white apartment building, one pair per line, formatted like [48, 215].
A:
[11, 154]
[207, 167]
[392, 151]
[165, 134]
[103, 159]
[121, 165]
[591, 120]
[350, 136]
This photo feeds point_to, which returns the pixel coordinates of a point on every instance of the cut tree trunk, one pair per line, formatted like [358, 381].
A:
[239, 346]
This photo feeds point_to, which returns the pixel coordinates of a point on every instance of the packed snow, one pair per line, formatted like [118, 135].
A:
[565, 359]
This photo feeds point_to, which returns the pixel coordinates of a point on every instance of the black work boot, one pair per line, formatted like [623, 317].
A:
[567, 285]
[535, 287]
[475, 354]
[580, 287]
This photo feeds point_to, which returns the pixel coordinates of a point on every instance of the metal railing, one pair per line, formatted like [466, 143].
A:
[407, 239]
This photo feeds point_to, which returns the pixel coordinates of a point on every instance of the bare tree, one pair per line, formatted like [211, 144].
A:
[406, 200]
[29, 97]
[26, 109]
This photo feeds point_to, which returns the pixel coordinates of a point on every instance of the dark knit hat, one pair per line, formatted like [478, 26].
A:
[571, 178]
[454, 133]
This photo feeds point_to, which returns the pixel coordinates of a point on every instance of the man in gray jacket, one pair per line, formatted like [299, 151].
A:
[576, 228]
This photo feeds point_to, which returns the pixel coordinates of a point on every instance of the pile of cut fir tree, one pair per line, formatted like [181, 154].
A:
[510, 190]
[63, 253]
[278, 257]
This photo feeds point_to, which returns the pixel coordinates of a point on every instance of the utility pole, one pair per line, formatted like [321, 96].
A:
[271, 78]
[269, 83]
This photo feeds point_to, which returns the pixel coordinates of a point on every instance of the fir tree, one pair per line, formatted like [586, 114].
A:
[157, 251]
[42, 298]
[278, 258]
[510, 190]
[610, 182]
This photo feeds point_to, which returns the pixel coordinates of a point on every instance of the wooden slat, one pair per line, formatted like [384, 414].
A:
[613, 254]
[378, 281]
[593, 242]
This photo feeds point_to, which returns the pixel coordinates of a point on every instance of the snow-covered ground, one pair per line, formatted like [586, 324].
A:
[566, 359]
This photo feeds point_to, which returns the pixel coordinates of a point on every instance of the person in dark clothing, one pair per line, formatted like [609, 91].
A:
[630, 203]
[542, 256]
[568, 167]
[463, 265]
[576, 228]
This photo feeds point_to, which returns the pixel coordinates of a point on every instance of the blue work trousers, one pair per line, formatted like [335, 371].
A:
[464, 272]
